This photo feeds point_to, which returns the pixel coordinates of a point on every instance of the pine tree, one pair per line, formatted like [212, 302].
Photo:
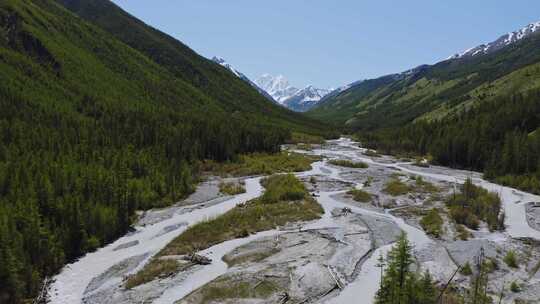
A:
[399, 284]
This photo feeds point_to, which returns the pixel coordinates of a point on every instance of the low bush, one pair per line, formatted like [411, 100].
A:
[232, 188]
[432, 223]
[348, 164]
[466, 269]
[283, 188]
[396, 187]
[474, 204]
[360, 195]
[514, 287]
[491, 265]
[511, 259]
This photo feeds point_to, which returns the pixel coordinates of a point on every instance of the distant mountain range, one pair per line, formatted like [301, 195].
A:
[296, 99]
[277, 86]
[278, 89]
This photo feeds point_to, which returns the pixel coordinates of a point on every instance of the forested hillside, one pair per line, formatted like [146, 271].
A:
[478, 113]
[433, 92]
[499, 137]
[210, 77]
[92, 130]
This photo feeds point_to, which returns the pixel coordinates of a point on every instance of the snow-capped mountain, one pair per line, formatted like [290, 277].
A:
[305, 99]
[278, 87]
[501, 42]
[289, 96]
[238, 74]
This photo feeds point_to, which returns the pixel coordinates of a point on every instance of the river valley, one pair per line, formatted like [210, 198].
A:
[330, 260]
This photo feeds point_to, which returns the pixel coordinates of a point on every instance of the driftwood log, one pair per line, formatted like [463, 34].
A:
[198, 259]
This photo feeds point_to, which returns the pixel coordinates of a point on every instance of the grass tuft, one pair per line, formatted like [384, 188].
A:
[360, 195]
[154, 269]
[232, 188]
[348, 164]
[432, 223]
[226, 289]
[511, 259]
[396, 187]
[283, 188]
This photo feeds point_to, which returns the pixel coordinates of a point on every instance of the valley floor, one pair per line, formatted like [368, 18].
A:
[330, 260]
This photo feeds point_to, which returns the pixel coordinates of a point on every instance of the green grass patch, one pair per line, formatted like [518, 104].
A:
[232, 188]
[348, 164]
[280, 188]
[154, 269]
[432, 223]
[285, 200]
[511, 259]
[396, 187]
[360, 195]
[227, 289]
[242, 221]
[466, 269]
[262, 164]
[514, 287]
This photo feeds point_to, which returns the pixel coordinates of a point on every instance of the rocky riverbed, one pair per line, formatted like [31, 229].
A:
[330, 260]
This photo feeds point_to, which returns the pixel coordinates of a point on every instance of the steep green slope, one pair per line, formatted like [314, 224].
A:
[432, 92]
[92, 130]
[214, 80]
[478, 113]
[498, 137]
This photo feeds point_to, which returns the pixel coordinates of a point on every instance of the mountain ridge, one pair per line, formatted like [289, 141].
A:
[240, 75]
[499, 43]
[428, 91]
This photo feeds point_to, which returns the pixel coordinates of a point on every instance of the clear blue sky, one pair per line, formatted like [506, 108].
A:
[329, 43]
